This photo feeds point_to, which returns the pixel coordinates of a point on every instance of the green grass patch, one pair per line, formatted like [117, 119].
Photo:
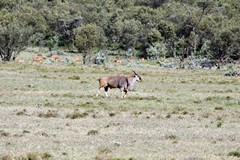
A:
[74, 78]
[150, 98]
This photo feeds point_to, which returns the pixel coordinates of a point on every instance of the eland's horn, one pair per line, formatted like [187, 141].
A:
[134, 72]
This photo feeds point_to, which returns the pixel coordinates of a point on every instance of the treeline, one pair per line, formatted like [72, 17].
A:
[149, 28]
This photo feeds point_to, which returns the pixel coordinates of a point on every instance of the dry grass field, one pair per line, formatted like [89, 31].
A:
[50, 111]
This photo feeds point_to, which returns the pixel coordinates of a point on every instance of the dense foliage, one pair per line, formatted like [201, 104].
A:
[153, 28]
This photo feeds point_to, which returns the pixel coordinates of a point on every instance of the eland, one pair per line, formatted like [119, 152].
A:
[122, 82]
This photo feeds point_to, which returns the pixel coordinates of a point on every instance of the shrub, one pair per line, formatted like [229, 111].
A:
[35, 156]
[234, 153]
[92, 132]
[232, 71]
[171, 136]
[22, 112]
[219, 124]
[218, 108]
[156, 51]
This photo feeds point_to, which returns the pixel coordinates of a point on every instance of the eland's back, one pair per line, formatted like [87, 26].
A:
[113, 81]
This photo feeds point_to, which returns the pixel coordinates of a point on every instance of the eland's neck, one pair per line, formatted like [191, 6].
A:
[131, 82]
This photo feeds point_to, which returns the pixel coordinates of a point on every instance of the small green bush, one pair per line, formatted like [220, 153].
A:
[171, 136]
[74, 78]
[92, 132]
[35, 156]
[218, 108]
[22, 112]
[26, 131]
[234, 153]
[219, 124]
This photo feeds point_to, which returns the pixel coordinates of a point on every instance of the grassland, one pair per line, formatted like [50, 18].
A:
[50, 111]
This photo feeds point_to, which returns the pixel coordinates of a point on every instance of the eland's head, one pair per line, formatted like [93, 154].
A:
[137, 77]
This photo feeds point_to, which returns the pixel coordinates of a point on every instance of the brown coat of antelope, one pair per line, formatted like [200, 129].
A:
[122, 82]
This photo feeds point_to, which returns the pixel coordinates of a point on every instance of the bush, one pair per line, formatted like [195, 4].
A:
[232, 71]
[156, 51]
[234, 153]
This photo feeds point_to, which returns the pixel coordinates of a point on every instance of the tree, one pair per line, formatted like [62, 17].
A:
[54, 20]
[87, 38]
[127, 32]
[14, 37]
[225, 45]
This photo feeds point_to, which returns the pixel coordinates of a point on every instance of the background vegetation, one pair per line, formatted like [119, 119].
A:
[208, 28]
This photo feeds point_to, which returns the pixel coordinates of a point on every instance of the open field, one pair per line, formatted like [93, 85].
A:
[50, 111]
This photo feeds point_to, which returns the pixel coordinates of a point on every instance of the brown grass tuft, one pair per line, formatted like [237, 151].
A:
[49, 114]
[76, 114]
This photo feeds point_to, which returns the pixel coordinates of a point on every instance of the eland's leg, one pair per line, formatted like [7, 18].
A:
[125, 93]
[122, 94]
[106, 91]
[99, 90]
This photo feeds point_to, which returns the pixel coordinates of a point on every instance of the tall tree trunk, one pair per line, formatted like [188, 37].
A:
[84, 59]
[7, 56]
